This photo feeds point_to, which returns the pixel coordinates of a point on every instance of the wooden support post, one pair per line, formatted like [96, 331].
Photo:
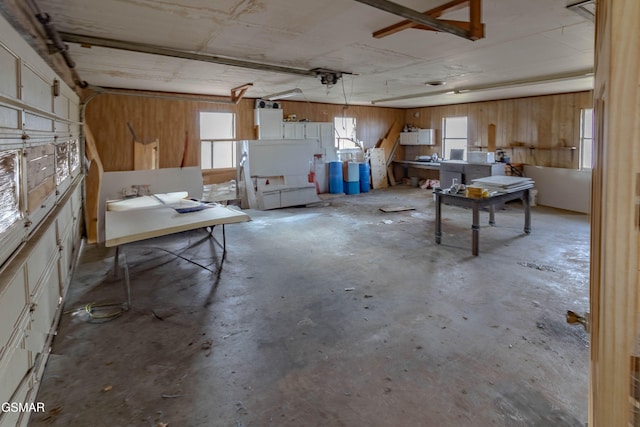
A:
[92, 186]
[615, 219]
[475, 18]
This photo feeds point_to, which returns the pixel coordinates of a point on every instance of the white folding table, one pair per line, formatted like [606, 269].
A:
[147, 217]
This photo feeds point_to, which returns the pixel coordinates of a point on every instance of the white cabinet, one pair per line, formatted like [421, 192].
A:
[421, 137]
[323, 132]
[294, 130]
[269, 122]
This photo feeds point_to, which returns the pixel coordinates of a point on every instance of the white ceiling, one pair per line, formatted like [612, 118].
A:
[524, 40]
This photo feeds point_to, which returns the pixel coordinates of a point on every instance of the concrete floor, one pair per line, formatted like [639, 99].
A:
[333, 315]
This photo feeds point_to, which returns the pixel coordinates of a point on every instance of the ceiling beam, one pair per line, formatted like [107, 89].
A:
[88, 41]
[473, 29]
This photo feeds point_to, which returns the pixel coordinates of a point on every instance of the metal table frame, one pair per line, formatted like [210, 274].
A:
[476, 205]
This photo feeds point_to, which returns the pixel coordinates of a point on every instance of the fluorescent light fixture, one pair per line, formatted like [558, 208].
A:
[281, 95]
[497, 85]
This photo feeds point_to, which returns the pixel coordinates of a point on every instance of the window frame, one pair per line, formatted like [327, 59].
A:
[445, 138]
[340, 140]
[211, 142]
[584, 140]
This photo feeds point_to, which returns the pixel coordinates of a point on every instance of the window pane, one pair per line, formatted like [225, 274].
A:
[9, 179]
[587, 150]
[205, 155]
[455, 127]
[345, 132]
[588, 123]
[454, 130]
[217, 126]
[586, 138]
[224, 154]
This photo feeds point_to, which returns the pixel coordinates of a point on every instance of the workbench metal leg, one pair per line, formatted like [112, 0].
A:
[127, 283]
[438, 218]
[527, 212]
[224, 240]
[224, 243]
[492, 215]
[125, 274]
[115, 262]
[475, 230]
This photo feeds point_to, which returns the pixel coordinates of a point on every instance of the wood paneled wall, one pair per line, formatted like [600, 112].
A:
[535, 130]
[545, 126]
[170, 120]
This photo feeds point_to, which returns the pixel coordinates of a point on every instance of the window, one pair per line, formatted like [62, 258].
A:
[345, 132]
[586, 138]
[454, 138]
[9, 189]
[217, 140]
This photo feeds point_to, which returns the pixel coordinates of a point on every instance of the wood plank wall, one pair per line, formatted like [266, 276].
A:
[544, 126]
[547, 123]
[169, 120]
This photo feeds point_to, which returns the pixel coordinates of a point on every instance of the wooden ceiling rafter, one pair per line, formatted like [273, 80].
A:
[238, 92]
[474, 27]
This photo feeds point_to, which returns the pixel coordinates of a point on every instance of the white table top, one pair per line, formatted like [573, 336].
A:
[139, 224]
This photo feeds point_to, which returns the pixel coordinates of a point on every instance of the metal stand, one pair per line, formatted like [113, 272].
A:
[125, 278]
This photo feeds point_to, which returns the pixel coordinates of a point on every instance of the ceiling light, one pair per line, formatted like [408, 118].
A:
[281, 95]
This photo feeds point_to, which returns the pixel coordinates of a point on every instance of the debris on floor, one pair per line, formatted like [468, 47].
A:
[540, 267]
[397, 209]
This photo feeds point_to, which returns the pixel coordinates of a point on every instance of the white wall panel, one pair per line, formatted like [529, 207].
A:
[14, 365]
[9, 72]
[31, 263]
[13, 303]
[36, 90]
[40, 257]
[38, 123]
[9, 118]
[46, 302]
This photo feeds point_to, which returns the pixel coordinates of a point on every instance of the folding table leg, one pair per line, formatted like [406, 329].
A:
[475, 230]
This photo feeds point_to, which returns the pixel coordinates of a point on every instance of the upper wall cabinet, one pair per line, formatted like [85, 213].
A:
[268, 122]
[421, 137]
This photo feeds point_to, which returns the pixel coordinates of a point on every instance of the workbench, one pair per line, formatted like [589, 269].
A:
[476, 205]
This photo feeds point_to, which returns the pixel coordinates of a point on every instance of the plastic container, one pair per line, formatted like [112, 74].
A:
[353, 172]
[335, 178]
[414, 181]
[365, 177]
[352, 187]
